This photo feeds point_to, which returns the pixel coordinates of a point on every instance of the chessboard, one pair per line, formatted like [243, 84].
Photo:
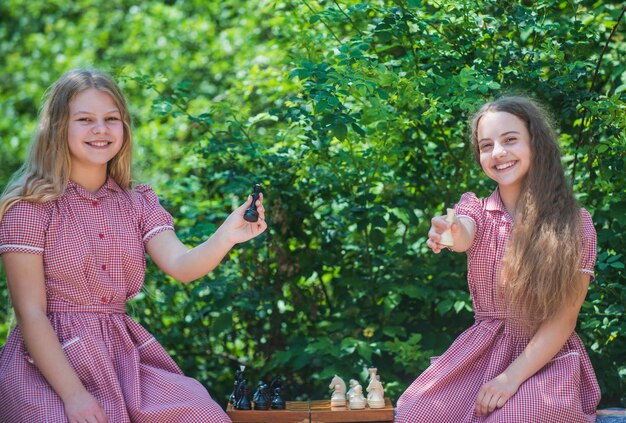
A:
[294, 412]
[318, 411]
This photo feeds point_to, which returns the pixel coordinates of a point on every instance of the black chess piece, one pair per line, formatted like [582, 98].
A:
[261, 397]
[277, 402]
[252, 215]
[275, 383]
[234, 397]
[244, 396]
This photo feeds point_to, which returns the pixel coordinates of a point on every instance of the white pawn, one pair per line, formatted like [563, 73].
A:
[357, 400]
[446, 236]
[352, 383]
[375, 395]
[338, 398]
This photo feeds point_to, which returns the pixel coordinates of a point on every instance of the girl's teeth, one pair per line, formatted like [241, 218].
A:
[504, 166]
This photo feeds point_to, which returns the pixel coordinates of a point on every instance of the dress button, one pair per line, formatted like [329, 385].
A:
[104, 267]
[104, 300]
[94, 203]
[101, 236]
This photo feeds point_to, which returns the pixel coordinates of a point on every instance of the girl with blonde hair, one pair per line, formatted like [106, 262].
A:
[531, 251]
[74, 232]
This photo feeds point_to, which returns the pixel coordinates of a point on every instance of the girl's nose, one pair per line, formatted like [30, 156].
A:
[498, 150]
[99, 128]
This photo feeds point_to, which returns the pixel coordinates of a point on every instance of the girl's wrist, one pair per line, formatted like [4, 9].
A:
[514, 376]
[71, 391]
[222, 237]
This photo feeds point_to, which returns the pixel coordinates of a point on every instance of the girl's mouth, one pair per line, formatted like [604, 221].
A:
[505, 166]
[99, 143]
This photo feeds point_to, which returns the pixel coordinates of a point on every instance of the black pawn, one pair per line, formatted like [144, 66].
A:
[261, 397]
[277, 402]
[252, 215]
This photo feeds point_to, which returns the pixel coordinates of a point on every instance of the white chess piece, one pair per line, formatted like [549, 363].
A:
[338, 398]
[375, 393]
[357, 400]
[446, 236]
[352, 383]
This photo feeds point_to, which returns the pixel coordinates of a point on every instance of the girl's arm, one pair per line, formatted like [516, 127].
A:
[186, 265]
[463, 231]
[25, 278]
[543, 346]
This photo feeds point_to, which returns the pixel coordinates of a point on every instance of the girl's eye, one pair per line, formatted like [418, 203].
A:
[113, 118]
[485, 146]
[510, 139]
[84, 119]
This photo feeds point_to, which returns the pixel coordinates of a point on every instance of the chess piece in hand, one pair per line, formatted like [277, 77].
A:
[252, 215]
[446, 236]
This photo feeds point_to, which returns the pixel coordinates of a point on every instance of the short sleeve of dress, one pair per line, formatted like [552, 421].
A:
[589, 241]
[23, 228]
[154, 219]
[470, 206]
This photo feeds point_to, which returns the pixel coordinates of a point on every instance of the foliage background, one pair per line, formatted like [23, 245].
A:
[353, 117]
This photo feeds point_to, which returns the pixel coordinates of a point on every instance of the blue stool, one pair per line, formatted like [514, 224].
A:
[611, 415]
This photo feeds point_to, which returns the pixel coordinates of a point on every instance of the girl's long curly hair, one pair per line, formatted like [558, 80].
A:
[46, 171]
[541, 261]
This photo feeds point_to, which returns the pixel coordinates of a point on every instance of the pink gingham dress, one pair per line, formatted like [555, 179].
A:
[564, 390]
[93, 248]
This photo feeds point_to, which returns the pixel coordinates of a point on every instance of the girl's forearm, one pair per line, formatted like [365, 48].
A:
[202, 259]
[48, 356]
[549, 338]
[544, 345]
[185, 264]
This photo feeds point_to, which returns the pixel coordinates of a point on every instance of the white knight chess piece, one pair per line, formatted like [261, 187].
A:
[375, 393]
[338, 399]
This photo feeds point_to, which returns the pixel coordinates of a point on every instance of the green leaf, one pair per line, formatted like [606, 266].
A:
[378, 237]
[358, 129]
[444, 306]
[365, 351]
[340, 131]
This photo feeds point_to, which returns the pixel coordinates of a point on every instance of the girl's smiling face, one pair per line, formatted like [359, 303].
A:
[95, 132]
[504, 147]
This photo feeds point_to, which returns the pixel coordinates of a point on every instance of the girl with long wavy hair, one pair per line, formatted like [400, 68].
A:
[74, 232]
[531, 251]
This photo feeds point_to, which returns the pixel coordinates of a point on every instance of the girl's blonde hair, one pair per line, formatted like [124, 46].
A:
[46, 171]
[540, 265]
